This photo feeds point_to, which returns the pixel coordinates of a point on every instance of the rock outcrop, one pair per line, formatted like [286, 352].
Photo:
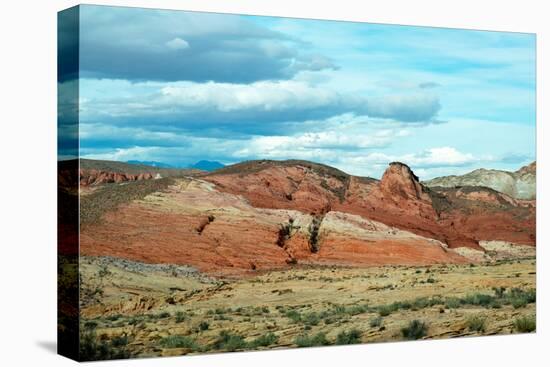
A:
[193, 223]
[265, 215]
[520, 184]
[96, 177]
[453, 216]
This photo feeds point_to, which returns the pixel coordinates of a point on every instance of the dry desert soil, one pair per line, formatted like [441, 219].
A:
[143, 310]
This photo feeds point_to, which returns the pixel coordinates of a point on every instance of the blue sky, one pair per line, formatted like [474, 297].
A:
[178, 87]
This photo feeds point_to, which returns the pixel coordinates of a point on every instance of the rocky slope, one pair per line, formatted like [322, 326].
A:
[193, 223]
[520, 184]
[455, 216]
[266, 214]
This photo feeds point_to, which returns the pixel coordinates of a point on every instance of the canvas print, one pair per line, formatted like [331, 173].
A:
[235, 183]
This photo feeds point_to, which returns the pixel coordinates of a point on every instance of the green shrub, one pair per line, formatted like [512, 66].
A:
[204, 326]
[294, 316]
[180, 316]
[525, 324]
[415, 330]
[476, 323]
[452, 302]
[384, 310]
[90, 325]
[91, 349]
[265, 340]
[178, 341]
[351, 337]
[376, 321]
[113, 317]
[306, 341]
[229, 341]
[479, 299]
[311, 319]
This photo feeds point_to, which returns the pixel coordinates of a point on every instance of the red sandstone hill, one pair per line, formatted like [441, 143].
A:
[456, 216]
[272, 214]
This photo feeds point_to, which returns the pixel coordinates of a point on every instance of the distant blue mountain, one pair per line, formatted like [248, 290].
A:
[207, 165]
[202, 165]
[151, 163]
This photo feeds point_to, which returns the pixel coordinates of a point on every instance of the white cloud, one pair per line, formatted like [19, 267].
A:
[177, 44]
[265, 95]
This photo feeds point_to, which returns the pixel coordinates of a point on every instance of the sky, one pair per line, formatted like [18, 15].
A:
[178, 87]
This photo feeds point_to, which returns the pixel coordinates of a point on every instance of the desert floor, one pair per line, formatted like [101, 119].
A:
[133, 309]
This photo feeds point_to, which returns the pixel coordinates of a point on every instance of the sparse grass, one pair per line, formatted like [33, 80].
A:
[304, 341]
[178, 341]
[416, 329]
[476, 323]
[349, 337]
[525, 324]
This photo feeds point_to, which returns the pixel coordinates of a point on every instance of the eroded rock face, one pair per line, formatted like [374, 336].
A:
[193, 223]
[97, 177]
[457, 217]
[520, 184]
[269, 215]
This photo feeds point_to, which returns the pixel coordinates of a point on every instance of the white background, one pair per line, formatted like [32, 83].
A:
[28, 183]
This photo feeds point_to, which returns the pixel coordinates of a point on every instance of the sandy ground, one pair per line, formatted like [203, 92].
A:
[154, 310]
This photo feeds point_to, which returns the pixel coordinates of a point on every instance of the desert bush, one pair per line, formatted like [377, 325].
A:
[499, 291]
[311, 319]
[357, 309]
[452, 302]
[294, 316]
[479, 299]
[113, 317]
[92, 349]
[384, 310]
[306, 341]
[178, 341]
[264, 340]
[476, 323]
[415, 330]
[376, 321]
[520, 298]
[204, 326]
[180, 316]
[229, 342]
[90, 325]
[525, 324]
[351, 337]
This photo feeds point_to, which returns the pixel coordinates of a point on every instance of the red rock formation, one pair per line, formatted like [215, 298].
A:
[398, 199]
[271, 215]
[96, 177]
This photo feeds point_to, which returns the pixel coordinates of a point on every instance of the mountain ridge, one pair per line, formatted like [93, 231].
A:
[519, 184]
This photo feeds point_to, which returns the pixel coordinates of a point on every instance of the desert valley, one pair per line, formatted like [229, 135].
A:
[277, 254]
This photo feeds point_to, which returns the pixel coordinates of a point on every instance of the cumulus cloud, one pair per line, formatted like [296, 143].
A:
[429, 158]
[177, 44]
[264, 107]
[408, 108]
